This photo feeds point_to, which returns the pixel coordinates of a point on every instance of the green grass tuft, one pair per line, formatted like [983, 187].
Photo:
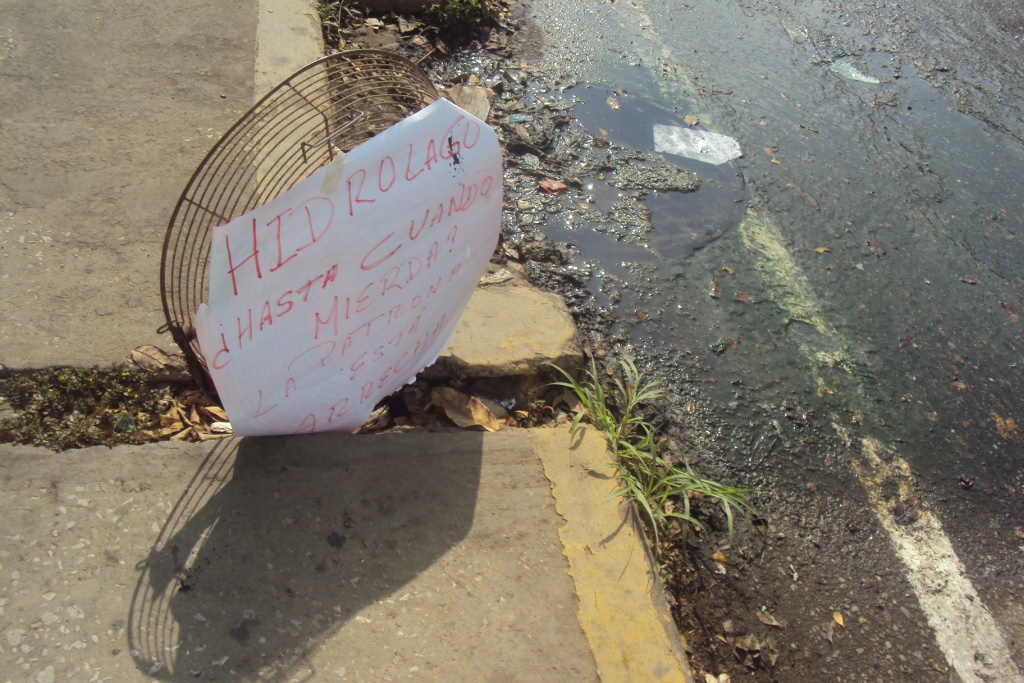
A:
[658, 488]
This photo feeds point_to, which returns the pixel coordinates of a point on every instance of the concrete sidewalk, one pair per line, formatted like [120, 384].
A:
[431, 556]
[106, 109]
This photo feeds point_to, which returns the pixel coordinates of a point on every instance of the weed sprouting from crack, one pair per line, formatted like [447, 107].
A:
[660, 490]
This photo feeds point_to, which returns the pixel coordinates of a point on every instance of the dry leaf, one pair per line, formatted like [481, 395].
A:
[838, 618]
[827, 631]
[150, 358]
[719, 557]
[210, 436]
[551, 186]
[1019, 533]
[767, 619]
[379, 419]
[473, 98]
[215, 413]
[728, 270]
[691, 120]
[182, 435]
[823, 250]
[612, 102]
[463, 410]
[171, 420]
[1007, 427]
[960, 385]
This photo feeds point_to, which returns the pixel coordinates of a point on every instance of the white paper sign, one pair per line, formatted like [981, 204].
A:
[337, 293]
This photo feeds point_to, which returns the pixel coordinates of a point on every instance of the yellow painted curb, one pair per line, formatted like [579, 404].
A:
[621, 607]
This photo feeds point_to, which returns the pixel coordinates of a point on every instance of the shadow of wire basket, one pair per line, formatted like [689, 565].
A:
[327, 107]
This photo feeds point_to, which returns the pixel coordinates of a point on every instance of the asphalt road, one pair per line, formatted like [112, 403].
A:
[852, 347]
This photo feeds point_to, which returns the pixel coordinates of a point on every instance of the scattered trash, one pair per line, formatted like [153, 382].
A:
[700, 145]
[551, 186]
[496, 278]
[844, 67]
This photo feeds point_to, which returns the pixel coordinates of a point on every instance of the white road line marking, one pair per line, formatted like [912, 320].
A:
[964, 628]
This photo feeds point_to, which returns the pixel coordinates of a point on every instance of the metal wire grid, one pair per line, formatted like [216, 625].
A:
[327, 107]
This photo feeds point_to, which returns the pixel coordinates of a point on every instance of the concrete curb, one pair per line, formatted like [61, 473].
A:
[288, 37]
[621, 602]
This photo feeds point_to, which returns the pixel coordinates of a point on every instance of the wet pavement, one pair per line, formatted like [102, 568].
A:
[848, 340]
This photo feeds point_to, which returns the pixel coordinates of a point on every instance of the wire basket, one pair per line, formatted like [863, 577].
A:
[328, 107]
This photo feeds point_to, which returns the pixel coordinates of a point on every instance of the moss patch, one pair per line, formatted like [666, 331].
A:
[62, 408]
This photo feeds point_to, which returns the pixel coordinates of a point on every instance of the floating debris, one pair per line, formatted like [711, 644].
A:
[844, 68]
[701, 145]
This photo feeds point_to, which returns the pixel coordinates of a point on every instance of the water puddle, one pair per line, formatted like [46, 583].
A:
[635, 216]
[681, 222]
